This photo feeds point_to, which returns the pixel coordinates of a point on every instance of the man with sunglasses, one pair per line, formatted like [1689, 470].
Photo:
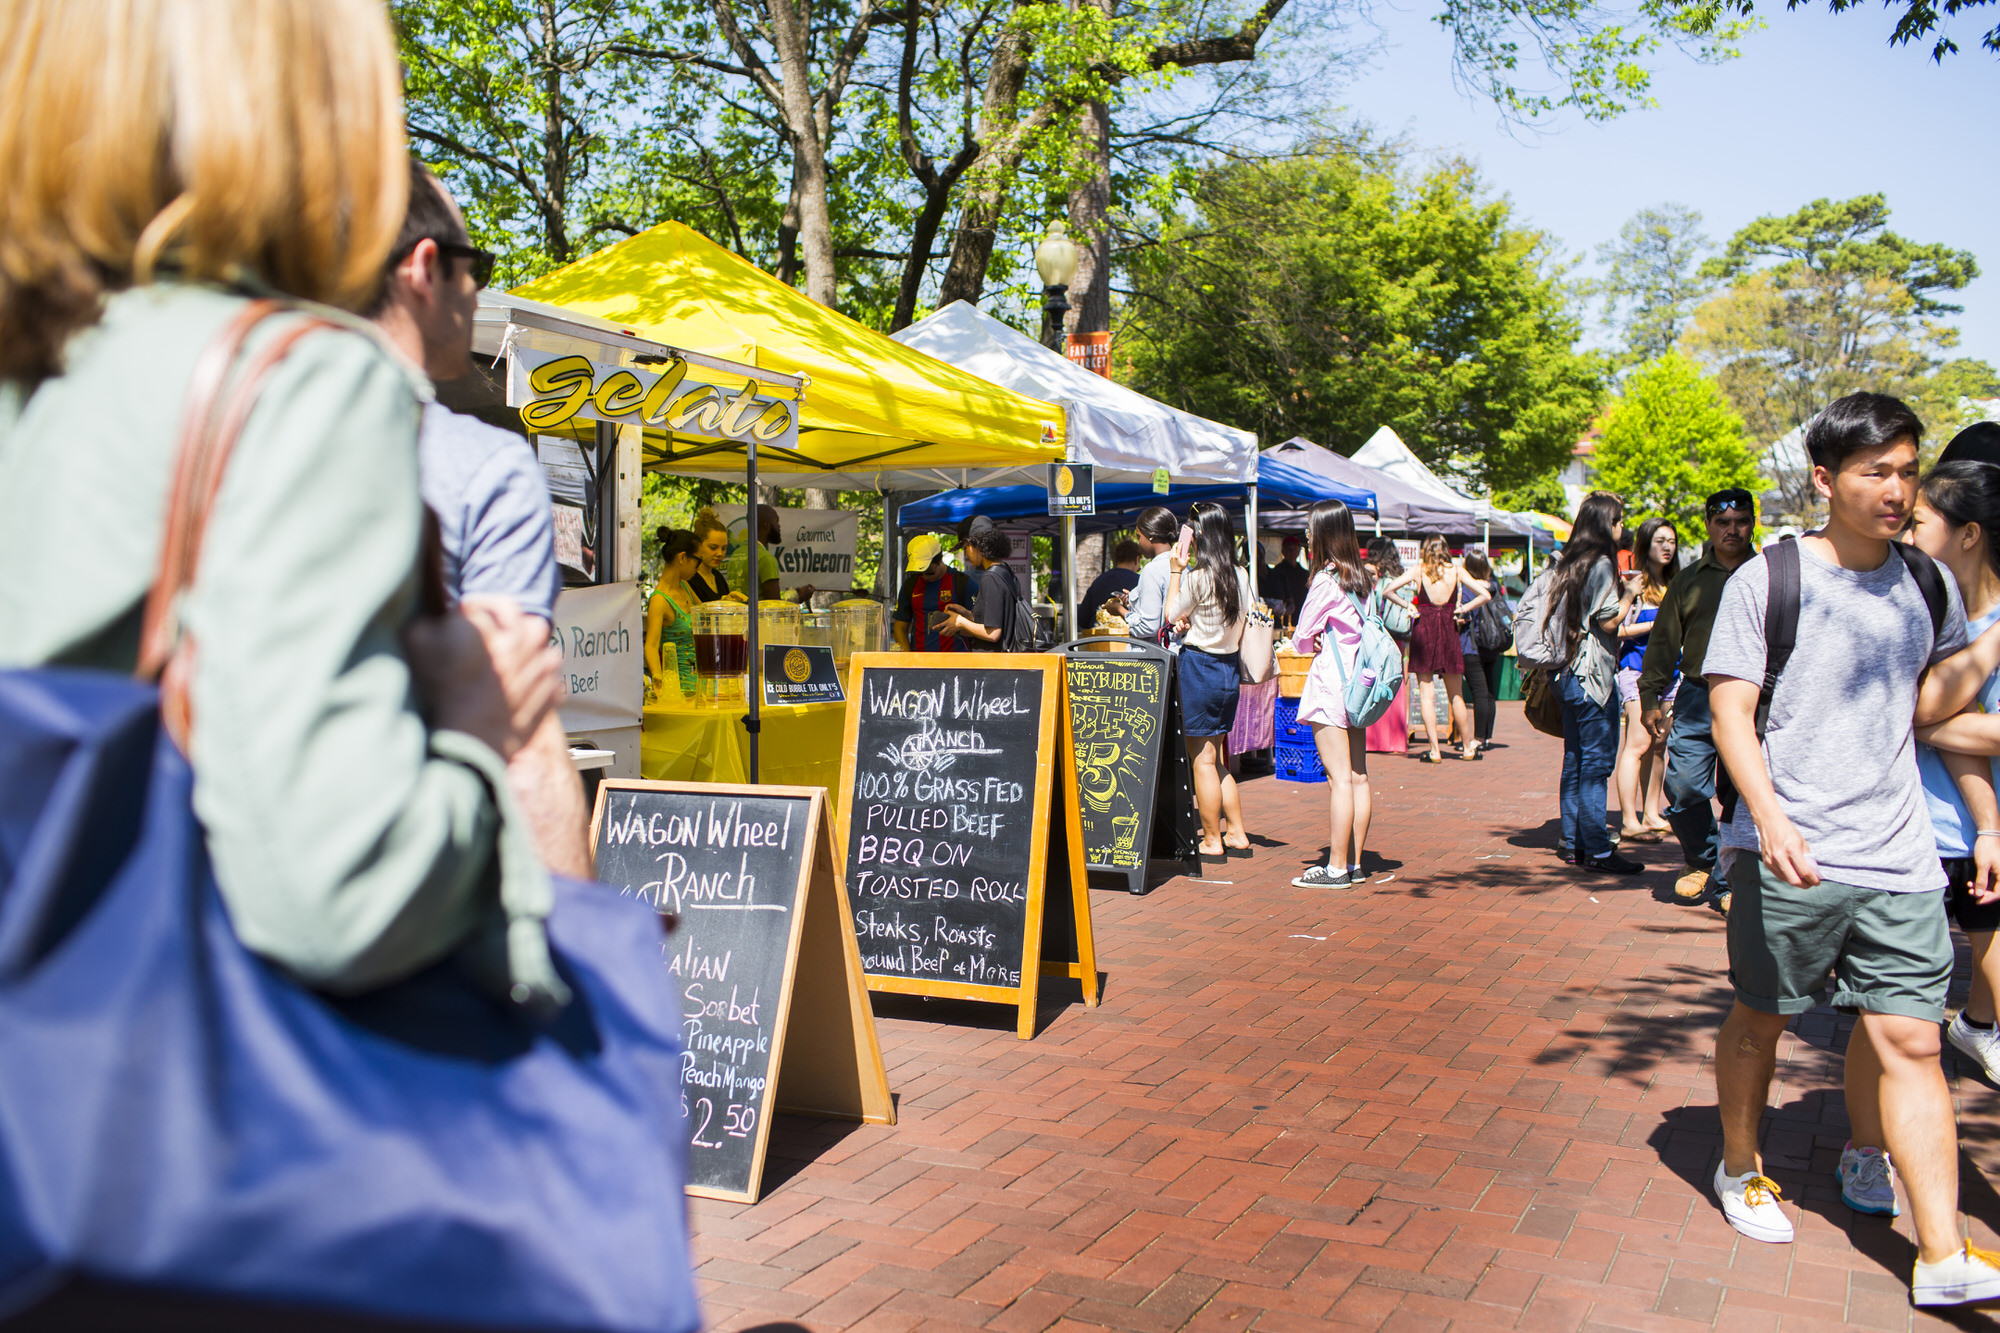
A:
[484, 484]
[1679, 642]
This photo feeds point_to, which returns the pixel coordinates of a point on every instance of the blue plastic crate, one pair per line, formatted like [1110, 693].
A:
[1286, 729]
[1298, 763]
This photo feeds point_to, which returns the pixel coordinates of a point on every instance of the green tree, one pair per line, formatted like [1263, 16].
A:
[1652, 279]
[1826, 301]
[1670, 440]
[1330, 293]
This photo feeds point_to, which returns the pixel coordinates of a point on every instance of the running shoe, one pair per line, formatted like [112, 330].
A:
[1320, 877]
[1970, 1275]
[1752, 1204]
[1983, 1047]
[1867, 1182]
[1611, 863]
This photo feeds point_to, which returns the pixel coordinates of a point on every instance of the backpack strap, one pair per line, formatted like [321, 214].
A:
[1781, 621]
[1930, 581]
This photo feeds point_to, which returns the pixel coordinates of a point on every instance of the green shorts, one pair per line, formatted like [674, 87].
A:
[1889, 953]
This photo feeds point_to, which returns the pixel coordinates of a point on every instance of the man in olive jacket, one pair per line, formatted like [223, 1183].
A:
[1679, 642]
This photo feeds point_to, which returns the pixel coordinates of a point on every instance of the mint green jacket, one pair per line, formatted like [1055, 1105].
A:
[352, 845]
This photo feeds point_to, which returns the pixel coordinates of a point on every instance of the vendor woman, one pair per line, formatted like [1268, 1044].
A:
[670, 610]
[708, 583]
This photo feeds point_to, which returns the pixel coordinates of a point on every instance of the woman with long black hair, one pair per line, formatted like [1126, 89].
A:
[1329, 629]
[1956, 522]
[1211, 592]
[1593, 601]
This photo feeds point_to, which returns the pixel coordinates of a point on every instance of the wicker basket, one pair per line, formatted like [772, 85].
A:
[1292, 669]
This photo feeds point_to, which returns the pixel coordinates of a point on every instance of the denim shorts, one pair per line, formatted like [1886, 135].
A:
[1211, 687]
[1889, 953]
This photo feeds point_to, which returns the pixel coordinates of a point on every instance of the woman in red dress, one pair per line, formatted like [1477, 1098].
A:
[1434, 645]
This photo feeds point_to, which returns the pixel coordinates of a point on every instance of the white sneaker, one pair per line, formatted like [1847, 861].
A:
[1867, 1183]
[1752, 1205]
[1982, 1047]
[1972, 1274]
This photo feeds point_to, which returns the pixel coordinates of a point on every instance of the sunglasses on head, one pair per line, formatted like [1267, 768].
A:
[1724, 506]
[481, 261]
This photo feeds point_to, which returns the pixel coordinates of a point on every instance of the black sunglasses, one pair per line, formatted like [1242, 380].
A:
[1724, 506]
[482, 261]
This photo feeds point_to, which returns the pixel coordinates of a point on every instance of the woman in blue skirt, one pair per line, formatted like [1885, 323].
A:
[1208, 590]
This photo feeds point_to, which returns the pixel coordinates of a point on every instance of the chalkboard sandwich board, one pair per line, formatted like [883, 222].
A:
[956, 767]
[1118, 716]
[774, 1010]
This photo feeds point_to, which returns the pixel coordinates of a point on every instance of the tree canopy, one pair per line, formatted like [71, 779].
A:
[1670, 440]
[1827, 301]
[1915, 19]
[1653, 278]
[1332, 292]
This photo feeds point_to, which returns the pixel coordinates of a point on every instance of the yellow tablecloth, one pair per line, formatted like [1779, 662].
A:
[800, 745]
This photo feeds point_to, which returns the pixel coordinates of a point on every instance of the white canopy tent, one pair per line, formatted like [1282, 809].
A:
[1386, 452]
[1123, 435]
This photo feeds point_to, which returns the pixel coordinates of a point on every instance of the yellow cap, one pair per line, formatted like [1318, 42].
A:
[922, 550]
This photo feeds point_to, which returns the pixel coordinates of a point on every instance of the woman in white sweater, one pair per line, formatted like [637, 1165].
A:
[1211, 593]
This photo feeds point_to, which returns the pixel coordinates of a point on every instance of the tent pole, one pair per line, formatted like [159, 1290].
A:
[1069, 577]
[754, 677]
[891, 522]
[1252, 548]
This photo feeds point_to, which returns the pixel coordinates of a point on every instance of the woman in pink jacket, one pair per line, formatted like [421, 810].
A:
[1329, 628]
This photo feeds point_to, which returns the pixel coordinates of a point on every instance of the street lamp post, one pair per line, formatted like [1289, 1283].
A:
[1055, 260]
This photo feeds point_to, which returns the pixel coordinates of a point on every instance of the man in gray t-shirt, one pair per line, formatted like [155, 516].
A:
[1839, 746]
[1834, 868]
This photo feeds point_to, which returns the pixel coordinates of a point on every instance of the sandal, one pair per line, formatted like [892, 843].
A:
[1473, 757]
[1429, 758]
[1642, 835]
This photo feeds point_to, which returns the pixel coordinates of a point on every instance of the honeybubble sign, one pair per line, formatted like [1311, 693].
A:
[552, 389]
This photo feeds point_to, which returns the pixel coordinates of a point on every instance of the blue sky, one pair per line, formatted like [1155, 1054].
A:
[1818, 106]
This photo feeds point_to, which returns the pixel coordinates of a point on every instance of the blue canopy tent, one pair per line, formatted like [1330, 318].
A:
[1279, 485]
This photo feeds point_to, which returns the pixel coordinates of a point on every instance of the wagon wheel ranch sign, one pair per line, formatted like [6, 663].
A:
[554, 389]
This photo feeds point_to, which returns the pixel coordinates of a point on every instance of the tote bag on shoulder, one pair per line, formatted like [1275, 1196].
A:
[178, 1115]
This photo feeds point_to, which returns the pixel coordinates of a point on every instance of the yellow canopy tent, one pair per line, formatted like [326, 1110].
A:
[875, 414]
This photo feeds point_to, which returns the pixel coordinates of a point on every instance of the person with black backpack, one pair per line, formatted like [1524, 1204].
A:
[1826, 654]
[1587, 601]
[1000, 619]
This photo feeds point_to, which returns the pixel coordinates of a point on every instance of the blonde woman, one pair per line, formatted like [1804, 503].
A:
[163, 163]
[1642, 768]
[1434, 647]
[711, 547]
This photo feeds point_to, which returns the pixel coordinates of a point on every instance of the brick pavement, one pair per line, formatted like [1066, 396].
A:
[1472, 1095]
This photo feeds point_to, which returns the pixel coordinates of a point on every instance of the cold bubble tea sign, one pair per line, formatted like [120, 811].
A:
[964, 854]
[774, 1009]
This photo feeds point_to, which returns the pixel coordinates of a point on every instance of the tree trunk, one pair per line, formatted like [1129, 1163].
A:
[788, 233]
[555, 152]
[1001, 144]
[791, 35]
[1090, 218]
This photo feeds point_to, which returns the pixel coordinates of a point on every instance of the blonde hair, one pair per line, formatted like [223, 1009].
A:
[706, 522]
[215, 139]
[1435, 556]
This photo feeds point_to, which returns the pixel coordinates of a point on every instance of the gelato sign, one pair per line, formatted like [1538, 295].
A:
[552, 389]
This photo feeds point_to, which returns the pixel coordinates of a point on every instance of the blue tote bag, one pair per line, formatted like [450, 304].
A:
[177, 1114]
